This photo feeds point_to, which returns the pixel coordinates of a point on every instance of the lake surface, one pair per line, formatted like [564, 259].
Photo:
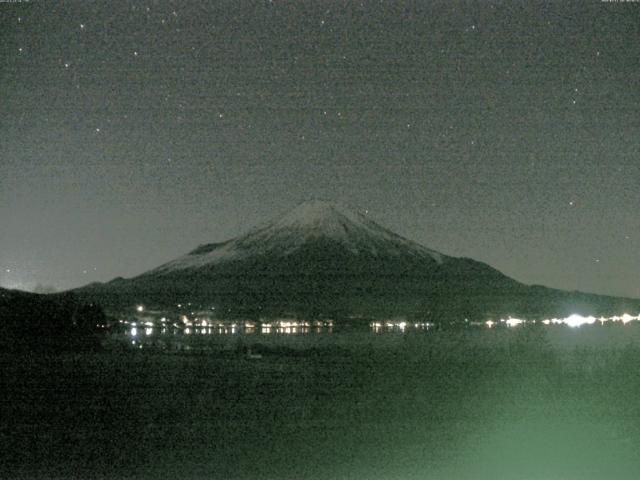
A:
[478, 403]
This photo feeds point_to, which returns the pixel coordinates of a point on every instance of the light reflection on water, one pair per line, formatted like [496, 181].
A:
[226, 330]
[293, 328]
[398, 326]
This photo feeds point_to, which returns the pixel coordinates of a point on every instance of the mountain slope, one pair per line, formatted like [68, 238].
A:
[311, 222]
[323, 260]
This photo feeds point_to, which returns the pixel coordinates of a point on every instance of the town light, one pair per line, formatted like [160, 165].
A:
[578, 320]
[513, 322]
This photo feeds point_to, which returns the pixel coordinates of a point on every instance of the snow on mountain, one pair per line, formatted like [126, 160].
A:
[323, 259]
[310, 221]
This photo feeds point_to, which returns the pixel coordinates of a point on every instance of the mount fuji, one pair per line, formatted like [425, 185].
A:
[321, 259]
[310, 223]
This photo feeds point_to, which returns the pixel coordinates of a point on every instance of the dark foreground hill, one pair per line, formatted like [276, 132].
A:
[29, 320]
[320, 260]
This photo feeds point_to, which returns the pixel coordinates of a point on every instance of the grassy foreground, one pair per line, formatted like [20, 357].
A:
[526, 403]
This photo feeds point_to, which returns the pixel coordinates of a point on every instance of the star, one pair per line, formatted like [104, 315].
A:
[82, 26]
[572, 203]
[97, 130]
[67, 64]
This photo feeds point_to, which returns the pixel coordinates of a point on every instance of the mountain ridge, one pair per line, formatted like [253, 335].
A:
[309, 221]
[320, 259]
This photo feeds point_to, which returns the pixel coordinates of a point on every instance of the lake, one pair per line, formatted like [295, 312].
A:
[540, 402]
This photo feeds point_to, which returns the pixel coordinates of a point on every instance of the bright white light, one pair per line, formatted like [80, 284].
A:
[134, 331]
[513, 322]
[140, 308]
[490, 323]
[148, 331]
[626, 318]
[578, 320]
[546, 321]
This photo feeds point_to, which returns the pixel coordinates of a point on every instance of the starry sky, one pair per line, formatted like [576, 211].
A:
[133, 131]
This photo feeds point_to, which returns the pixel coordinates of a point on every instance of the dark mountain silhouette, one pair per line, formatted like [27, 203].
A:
[56, 321]
[321, 260]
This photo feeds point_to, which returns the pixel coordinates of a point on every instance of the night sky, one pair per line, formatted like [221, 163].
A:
[508, 132]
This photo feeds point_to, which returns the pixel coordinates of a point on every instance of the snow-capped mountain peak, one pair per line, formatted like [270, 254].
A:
[310, 221]
[316, 218]
[315, 213]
